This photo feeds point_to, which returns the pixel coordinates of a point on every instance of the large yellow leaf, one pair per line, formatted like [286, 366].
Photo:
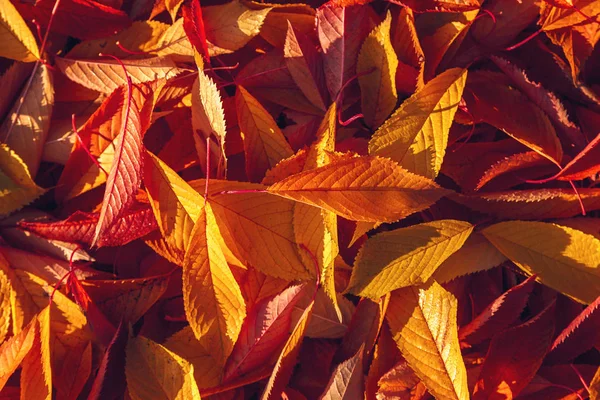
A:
[17, 188]
[106, 75]
[257, 227]
[36, 374]
[153, 372]
[176, 204]
[378, 87]
[213, 301]
[230, 26]
[563, 258]
[208, 119]
[423, 324]
[16, 40]
[264, 143]
[405, 257]
[416, 135]
[361, 189]
[14, 350]
[26, 127]
[560, 17]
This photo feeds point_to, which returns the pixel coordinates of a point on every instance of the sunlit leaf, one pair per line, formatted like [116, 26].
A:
[18, 43]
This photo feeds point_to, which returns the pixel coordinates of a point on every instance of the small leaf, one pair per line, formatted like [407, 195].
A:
[563, 258]
[154, 372]
[416, 135]
[18, 43]
[15, 349]
[515, 355]
[213, 302]
[361, 189]
[17, 188]
[423, 324]
[347, 381]
[405, 257]
[378, 86]
[264, 143]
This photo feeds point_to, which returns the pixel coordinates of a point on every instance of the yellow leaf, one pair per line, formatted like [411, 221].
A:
[407, 45]
[287, 359]
[207, 373]
[257, 227]
[264, 143]
[558, 17]
[175, 203]
[213, 301]
[423, 324]
[5, 294]
[301, 16]
[208, 118]
[563, 258]
[595, 386]
[14, 350]
[106, 75]
[476, 254]
[174, 41]
[153, 372]
[361, 189]
[405, 257]
[36, 375]
[416, 135]
[16, 40]
[230, 26]
[378, 87]
[26, 127]
[172, 7]
[17, 188]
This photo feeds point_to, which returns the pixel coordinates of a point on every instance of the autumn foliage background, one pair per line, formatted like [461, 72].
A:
[342, 200]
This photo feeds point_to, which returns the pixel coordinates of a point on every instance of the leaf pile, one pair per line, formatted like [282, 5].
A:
[343, 200]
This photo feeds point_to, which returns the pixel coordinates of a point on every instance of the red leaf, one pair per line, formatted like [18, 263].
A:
[265, 330]
[193, 24]
[110, 381]
[499, 315]
[83, 19]
[514, 357]
[440, 5]
[581, 335]
[135, 223]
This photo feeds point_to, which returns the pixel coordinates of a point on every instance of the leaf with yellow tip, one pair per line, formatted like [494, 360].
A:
[563, 258]
[17, 188]
[36, 375]
[422, 320]
[175, 203]
[16, 40]
[376, 69]
[264, 143]
[405, 257]
[14, 350]
[5, 307]
[153, 372]
[416, 135]
[361, 189]
[213, 301]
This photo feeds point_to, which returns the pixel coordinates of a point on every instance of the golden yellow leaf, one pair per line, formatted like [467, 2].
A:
[264, 143]
[563, 258]
[361, 189]
[14, 350]
[416, 135]
[154, 372]
[36, 375]
[595, 386]
[476, 254]
[174, 42]
[173, 7]
[557, 17]
[423, 324]
[301, 16]
[26, 127]
[213, 301]
[378, 87]
[208, 119]
[405, 257]
[106, 75]
[16, 40]
[175, 203]
[230, 26]
[257, 227]
[5, 294]
[207, 373]
[287, 359]
[17, 188]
